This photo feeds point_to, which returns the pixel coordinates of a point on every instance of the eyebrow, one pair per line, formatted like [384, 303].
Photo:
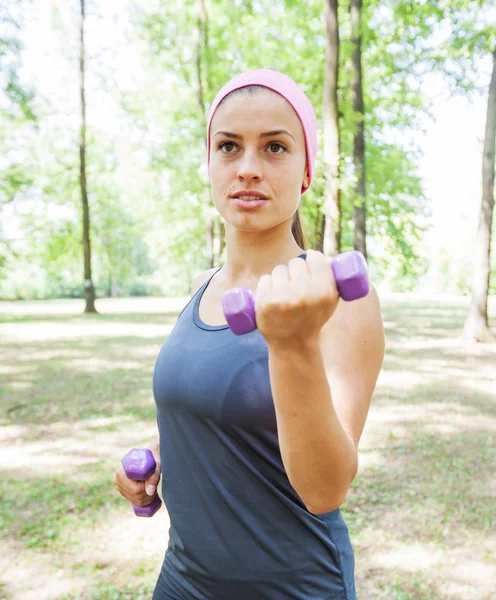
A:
[262, 135]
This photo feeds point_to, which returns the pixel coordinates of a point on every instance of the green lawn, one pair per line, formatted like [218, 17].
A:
[75, 395]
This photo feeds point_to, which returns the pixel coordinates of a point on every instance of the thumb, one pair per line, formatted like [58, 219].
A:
[152, 481]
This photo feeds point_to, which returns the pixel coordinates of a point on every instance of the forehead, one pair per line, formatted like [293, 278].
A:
[261, 110]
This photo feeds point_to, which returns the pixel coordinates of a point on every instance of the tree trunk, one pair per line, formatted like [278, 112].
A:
[330, 233]
[222, 239]
[202, 42]
[359, 214]
[477, 324]
[89, 290]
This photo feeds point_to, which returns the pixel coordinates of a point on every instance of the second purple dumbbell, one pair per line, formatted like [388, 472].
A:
[139, 464]
[350, 273]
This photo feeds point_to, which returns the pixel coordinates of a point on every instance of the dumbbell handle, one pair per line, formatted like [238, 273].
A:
[139, 464]
[350, 272]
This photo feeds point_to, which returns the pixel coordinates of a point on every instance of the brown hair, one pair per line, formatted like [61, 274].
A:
[296, 227]
[297, 231]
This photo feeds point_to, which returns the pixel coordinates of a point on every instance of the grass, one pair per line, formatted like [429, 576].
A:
[75, 394]
[111, 592]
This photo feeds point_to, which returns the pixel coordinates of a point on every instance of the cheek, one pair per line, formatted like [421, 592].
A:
[221, 186]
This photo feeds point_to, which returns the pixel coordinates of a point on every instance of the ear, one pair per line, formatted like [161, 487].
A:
[306, 178]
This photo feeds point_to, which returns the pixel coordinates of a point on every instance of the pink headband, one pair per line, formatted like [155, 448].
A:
[288, 89]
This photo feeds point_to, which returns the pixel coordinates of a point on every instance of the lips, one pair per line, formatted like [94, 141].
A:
[249, 194]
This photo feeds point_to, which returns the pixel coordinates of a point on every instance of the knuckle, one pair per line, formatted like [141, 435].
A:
[304, 302]
[287, 306]
[279, 269]
[295, 261]
[326, 300]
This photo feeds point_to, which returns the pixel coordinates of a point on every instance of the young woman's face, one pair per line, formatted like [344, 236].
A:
[274, 165]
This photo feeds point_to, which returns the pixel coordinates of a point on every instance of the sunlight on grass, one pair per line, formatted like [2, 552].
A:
[125, 548]
[412, 557]
[103, 305]
[35, 332]
[76, 394]
[66, 445]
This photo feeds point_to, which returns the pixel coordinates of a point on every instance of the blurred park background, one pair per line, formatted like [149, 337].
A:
[106, 218]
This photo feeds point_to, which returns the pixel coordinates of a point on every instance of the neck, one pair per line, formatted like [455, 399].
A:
[249, 255]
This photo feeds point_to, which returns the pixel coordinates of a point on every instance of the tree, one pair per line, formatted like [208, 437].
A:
[294, 42]
[358, 194]
[330, 240]
[203, 60]
[89, 290]
[477, 325]
[17, 117]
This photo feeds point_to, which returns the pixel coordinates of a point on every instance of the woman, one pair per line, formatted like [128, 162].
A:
[258, 434]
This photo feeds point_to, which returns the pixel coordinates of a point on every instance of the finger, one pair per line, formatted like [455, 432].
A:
[263, 291]
[152, 481]
[130, 489]
[119, 477]
[299, 275]
[280, 277]
[264, 286]
[321, 274]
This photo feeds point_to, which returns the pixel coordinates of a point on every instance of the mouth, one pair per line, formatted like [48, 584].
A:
[249, 202]
[248, 195]
[249, 198]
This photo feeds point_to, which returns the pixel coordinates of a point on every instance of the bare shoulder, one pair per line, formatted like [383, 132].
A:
[200, 279]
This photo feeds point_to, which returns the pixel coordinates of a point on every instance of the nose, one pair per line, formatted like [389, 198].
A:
[250, 166]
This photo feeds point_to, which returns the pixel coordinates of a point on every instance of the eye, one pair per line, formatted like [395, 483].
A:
[223, 144]
[277, 144]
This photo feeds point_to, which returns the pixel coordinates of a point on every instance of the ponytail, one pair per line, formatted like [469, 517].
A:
[297, 231]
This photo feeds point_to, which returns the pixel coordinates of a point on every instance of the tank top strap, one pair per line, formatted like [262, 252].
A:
[195, 300]
[198, 292]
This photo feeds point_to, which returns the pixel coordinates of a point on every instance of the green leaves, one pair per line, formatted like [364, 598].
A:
[150, 199]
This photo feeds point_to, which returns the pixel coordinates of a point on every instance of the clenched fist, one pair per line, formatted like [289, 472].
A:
[295, 301]
[139, 493]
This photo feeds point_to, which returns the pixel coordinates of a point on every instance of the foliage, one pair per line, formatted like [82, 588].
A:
[397, 207]
[17, 118]
[148, 188]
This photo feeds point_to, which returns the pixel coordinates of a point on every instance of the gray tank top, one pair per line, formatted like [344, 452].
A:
[238, 529]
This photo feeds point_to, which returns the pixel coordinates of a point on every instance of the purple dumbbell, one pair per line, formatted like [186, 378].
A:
[350, 273]
[139, 464]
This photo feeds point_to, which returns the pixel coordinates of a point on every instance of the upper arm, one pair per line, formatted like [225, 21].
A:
[353, 346]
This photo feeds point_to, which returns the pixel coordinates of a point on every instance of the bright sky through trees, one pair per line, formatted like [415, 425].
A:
[452, 146]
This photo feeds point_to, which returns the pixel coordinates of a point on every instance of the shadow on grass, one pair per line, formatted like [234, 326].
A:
[411, 318]
[425, 486]
[113, 378]
[394, 583]
[42, 512]
[435, 484]
[113, 592]
[439, 392]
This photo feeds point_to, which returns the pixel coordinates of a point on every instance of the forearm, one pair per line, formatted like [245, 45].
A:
[318, 455]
